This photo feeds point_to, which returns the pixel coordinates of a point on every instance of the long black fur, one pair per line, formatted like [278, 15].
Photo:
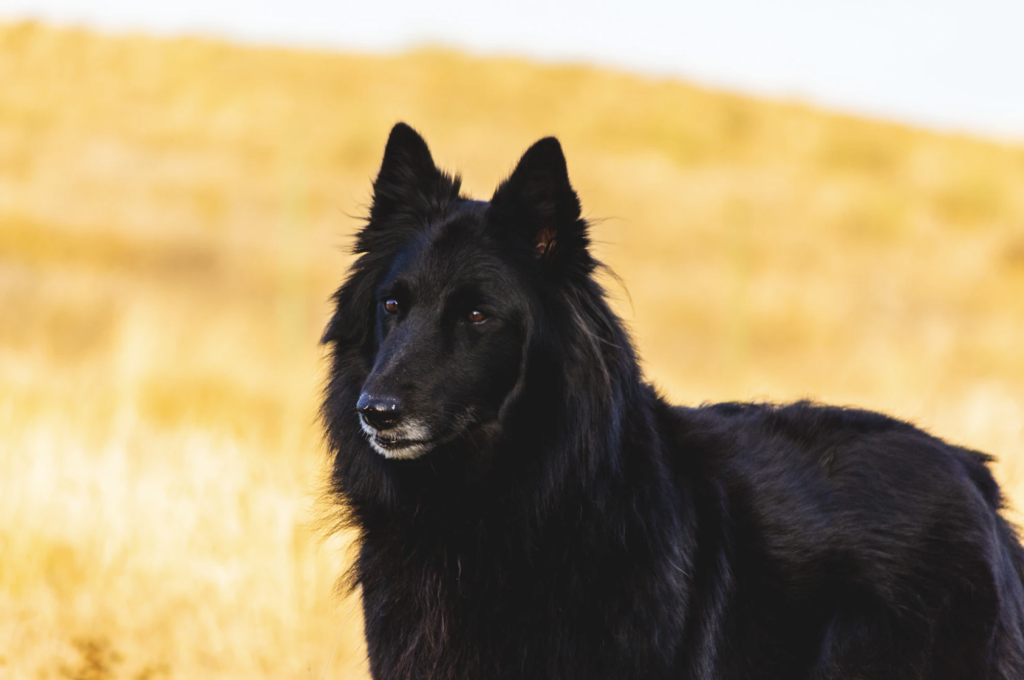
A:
[566, 522]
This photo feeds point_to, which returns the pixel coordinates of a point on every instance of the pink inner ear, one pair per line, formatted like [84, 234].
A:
[545, 241]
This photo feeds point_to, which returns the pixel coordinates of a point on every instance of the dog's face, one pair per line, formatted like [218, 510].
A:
[433, 327]
[450, 323]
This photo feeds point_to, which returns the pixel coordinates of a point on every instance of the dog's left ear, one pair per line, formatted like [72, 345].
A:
[538, 207]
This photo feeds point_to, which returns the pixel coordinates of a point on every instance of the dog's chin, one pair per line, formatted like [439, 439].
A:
[401, 450]
[405, 442]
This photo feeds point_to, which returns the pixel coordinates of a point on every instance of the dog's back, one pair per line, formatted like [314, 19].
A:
[859, 545]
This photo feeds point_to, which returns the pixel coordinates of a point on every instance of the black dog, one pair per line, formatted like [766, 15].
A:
[528, 507]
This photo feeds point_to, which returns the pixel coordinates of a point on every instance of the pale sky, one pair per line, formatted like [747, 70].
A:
[949, 64]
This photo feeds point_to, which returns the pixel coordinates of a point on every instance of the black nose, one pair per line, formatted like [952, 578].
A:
[379, 412]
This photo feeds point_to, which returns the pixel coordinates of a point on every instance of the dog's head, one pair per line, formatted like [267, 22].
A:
[433, 328]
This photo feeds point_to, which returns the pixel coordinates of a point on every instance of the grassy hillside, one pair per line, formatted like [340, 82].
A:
[174, 215]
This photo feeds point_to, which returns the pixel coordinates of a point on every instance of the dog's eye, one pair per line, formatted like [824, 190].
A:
[476, 317]
[391, 306]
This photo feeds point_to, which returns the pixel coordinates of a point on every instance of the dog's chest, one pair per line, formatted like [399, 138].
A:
[464, 615]
[491, 611]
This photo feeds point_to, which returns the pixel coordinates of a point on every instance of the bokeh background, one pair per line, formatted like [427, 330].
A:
[175, 211]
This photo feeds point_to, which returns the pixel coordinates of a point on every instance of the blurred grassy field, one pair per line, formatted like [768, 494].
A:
[174, 215]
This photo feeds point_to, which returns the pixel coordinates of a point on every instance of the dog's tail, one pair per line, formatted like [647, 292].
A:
[1007, 564]
[1008, 648]
[1008, 572]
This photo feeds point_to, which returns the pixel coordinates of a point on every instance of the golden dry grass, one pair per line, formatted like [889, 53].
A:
[172, 217]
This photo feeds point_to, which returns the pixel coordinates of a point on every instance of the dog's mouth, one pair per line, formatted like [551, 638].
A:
[396, 445]
[414, 438]
[403, 449]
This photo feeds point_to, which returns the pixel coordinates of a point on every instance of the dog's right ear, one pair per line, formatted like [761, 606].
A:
[408, 181]
[409, 190]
